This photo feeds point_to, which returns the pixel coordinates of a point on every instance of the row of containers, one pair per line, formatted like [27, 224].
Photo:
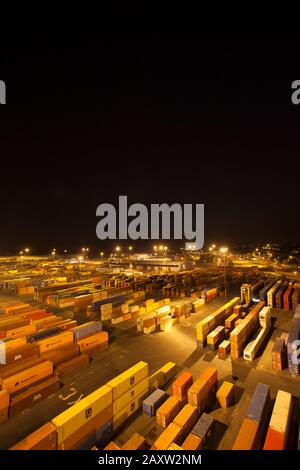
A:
[34, 363]
[162, 316]
[232, 330]
[100, 414]
[280, 293]
[97, 418]
[183, 421]
[266, 426]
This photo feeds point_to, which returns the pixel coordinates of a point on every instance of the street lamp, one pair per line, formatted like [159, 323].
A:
[101, 254]
[118, 249]
[224, 251]
[26, 250]
[130, 248]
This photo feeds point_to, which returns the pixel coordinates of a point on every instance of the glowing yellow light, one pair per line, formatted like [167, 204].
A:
[118, 248]
[223, 249]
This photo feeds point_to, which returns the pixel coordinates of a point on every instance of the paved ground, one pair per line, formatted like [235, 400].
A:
[178, 345]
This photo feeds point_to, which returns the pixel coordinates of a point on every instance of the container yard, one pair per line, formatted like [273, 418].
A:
[148, 362]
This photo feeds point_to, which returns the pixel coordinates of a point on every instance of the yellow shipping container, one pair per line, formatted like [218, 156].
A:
[69, 421]
[56, 341]
[162, 376]
[126, 398]
[123, 382]
[131, 408]
[186, 418]
[172, 434]
[22, 331]
[197, 392]
[27, 377]
[225, 394]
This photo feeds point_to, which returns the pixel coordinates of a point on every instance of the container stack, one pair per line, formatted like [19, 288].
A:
[181, 385]
[224, 349]
[279, 355]
[278, 431]
[202, 393]
[200, 434]
[239, 336]
[186, 419]
[215, 338]
[225, 394]
[86, 422]
[292, 345]
[172, 434]
[128, 392]
[197, 305]
[167, 411]
[161, 377]
[205, 326]
[254, 425]
[287, 297]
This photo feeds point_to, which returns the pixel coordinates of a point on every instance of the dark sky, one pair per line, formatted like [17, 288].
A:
[159, 120]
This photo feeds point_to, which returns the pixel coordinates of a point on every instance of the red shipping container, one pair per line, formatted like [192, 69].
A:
[275, 440]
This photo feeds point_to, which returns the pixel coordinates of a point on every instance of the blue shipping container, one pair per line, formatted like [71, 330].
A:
[204, 426]
[43, 334]
[259, 402]
[154, 401]
[87, 329]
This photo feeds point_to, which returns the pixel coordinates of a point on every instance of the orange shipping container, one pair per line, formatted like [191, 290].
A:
[186, 418]
[167, 411]
[275, 440]
[210, 375]
[21, 331]
[192, 442]
[29, 376]
[55, 342]
[94, 341]
[172, 433]
[42, 439]
[181, 385]
[13, 369]
[66, 353]
[248, 436]
[225, 394]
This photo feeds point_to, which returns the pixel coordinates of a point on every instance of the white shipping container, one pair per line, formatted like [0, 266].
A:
[281, 412]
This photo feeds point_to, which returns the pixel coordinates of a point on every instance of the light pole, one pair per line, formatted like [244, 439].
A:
[224, 251]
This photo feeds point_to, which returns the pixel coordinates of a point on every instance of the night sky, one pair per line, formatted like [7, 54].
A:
[158, 120]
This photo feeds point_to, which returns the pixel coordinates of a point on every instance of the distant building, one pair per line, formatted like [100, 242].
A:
[190, 246]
